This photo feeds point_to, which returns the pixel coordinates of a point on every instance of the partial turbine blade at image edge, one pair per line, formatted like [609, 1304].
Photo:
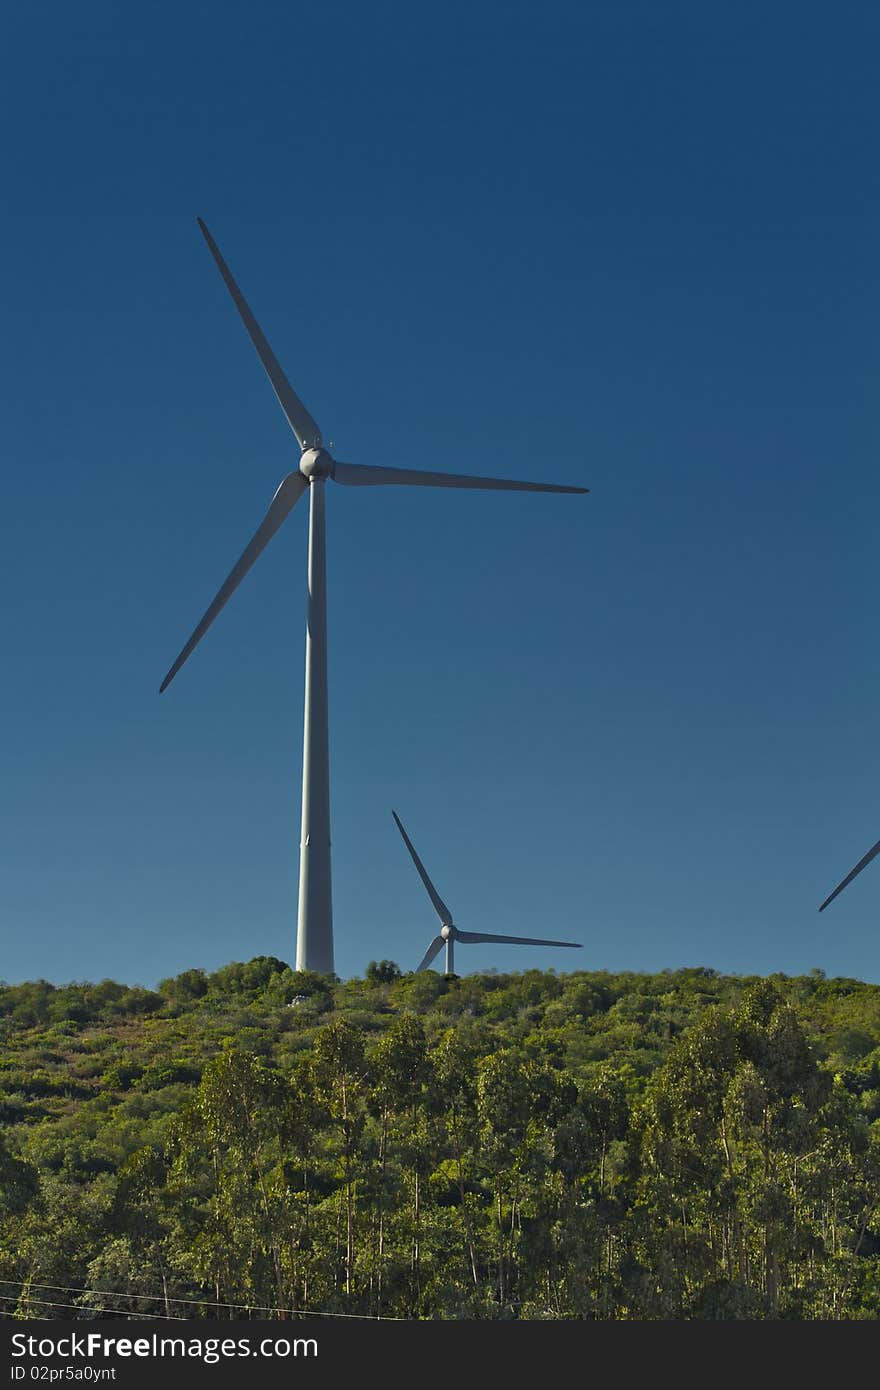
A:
[440, 907]
[282, 504]
[299, 419]
[366, 475]
[432, 952]
[474, 936]
[863, 863]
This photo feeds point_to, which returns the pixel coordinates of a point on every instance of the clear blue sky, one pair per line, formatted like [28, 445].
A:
[628, 245]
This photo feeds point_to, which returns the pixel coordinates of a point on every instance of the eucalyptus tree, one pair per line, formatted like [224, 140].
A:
[400, 1074]
[341, 1077]
[232, 1144]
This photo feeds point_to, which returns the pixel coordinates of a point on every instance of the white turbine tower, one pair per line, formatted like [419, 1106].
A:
[314, 944]
[449, 932]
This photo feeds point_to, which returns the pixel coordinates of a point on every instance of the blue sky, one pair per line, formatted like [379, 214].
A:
[626, 245]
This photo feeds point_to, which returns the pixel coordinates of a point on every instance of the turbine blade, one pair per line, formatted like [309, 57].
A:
[474, 936]
[850, 876]
[440, 907]
[299, 419]
[365, 475]
[282, 504]
[432, 952]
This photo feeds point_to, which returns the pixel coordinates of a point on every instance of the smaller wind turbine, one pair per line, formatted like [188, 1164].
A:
[449, 932]
[862, 864]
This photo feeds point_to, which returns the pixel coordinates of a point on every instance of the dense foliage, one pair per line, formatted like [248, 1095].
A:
[681, 1145]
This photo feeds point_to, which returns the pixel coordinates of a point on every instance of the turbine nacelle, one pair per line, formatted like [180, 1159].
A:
[316, 463]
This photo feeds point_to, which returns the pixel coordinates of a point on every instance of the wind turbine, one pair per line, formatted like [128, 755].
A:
[862, 864]
[449, 932]
[314, 944]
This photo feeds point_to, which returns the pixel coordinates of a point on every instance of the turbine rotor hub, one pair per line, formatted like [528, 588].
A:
[447, 931]
[316, 463]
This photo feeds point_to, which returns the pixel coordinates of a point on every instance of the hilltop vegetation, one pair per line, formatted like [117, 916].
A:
[679, 1145]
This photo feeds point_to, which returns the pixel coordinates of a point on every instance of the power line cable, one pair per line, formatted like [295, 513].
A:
[82, 1307]
[161, 1297]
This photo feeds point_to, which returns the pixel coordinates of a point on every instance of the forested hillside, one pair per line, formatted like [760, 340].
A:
[680, 1145]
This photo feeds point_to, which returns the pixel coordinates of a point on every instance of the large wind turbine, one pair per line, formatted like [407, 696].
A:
[449, 932]
[314, 943]
[862, 864]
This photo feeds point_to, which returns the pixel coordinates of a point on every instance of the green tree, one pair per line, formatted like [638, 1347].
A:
[340, 1074]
